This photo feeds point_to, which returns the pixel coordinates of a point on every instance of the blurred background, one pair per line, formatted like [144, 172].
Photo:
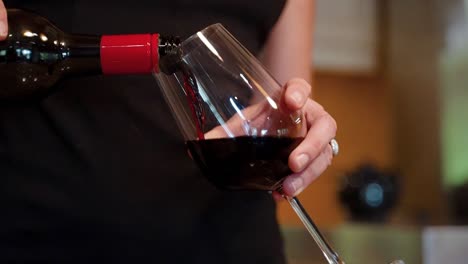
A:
[394, 74]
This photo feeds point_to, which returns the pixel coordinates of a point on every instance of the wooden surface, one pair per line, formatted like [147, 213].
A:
[357, 244]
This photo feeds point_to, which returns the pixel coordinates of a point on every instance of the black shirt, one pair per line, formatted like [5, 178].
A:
[98, 171]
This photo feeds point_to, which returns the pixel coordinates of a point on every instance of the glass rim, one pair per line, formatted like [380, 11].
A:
[207, 32]
[214, 27]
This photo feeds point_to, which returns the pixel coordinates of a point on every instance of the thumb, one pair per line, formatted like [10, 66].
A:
[296, 94]
[3, 21]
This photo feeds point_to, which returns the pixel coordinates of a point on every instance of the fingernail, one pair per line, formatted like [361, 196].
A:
[297, 185]
[297, 97]
[3, 29]
[301, 161]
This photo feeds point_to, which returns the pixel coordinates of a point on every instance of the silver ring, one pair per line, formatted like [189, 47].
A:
[335, 147]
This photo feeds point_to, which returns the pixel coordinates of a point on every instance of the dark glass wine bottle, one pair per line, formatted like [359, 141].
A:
[36, 54]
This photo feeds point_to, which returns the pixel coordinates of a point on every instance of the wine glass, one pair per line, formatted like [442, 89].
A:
[231, 114]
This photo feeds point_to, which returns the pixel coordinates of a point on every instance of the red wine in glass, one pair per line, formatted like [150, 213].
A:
[237, 163]
[244, 163]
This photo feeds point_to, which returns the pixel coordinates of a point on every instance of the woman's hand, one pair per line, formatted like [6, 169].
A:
[3, 21]
[314, 154]
[287, 54]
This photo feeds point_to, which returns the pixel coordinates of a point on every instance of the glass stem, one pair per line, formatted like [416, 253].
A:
[327, 251]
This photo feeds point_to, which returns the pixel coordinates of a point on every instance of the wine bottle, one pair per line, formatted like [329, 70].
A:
[36, 54]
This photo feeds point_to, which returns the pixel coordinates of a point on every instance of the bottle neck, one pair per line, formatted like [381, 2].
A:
[118, 54]
[81, 55]
[169, 54]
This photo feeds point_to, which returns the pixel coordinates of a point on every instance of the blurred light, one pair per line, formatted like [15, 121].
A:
[238, 110]
[25, 52]
[209, 45]
[29, 34]
[245, 80]
[374, 195]
[261, 90]
[43, 37]
[272, 103]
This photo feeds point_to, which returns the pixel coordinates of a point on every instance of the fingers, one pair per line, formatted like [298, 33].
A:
[296, 94]
[322, 130]
[314, 154]
[3, 21]
[296, 183]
